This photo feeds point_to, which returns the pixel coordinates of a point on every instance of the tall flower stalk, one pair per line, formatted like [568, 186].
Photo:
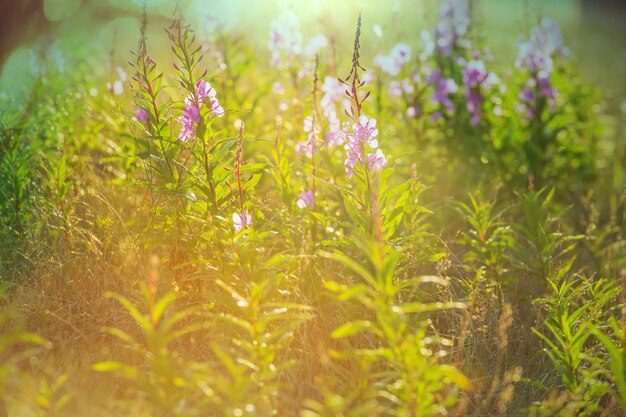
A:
[241, 219]
[148, 80]
[314, 118]
[364, 130]
[194, 124]
[309, 147]
[238, 165]
[539, 58]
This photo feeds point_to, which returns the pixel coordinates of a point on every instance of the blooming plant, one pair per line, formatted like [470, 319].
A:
[539, 56]
[193, 105]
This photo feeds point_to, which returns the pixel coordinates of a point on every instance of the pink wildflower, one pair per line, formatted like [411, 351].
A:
[363, 133]
[392, 64]
[399, 88]
[191, 113]
[334, 135]
[141, 116]
[334, 92]
[401, 52]
[308, 146]
[241, 221]
[204, 91]
[285, 41]
[307, 199]
[376, 161]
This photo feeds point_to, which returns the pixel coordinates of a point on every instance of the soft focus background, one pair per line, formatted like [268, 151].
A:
[595, 30]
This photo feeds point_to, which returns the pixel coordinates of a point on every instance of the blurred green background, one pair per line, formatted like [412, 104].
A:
[95, 30]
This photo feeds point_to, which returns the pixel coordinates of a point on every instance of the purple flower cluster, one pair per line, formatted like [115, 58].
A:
[405, 82]
[334, 94]
[307, 199]
[141, 116]
[376, 160]
[478, 81]
[285, 41]
[308, 146]
[545, 44]
[449, 34]
[454, 20]
[392, 64]
[334, 135]
[444, 87]
[191, 114]
[537, 56]
[450, 44]
[400, 88]
[363, 133]
[448, 37]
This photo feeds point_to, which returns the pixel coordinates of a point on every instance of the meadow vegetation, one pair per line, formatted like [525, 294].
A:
[301, 231]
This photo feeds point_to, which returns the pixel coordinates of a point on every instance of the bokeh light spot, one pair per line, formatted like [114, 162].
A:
[60, 9]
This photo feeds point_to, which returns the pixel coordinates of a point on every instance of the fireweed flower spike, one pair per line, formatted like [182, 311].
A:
[363, 133]
[447, 46]
[312, 130]
[444, 87]
[453, 24]
[199, 92]
[334, 135]
[204, 91]
[364, 130]
[146, 82]
[205, 94]
[334, 93]
[477, 82]
[458, 67]
[537, 56]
